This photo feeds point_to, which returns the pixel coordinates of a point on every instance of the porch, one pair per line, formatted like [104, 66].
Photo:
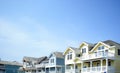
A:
[54, 69]
[98, 69]
[73, 68]
[98, 66]
[97, 55]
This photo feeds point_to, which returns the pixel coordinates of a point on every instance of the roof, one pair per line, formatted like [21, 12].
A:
[10, 63]
[58, 54]
[30, 59]
[111, 43]
[90, 45]
[75, 49]
[107, 42]
[41, 59]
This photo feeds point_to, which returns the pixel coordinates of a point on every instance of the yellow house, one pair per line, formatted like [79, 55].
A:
[72, 63]
[101, 57]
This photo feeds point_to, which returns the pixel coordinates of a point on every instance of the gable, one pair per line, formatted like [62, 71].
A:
[68, 50]
[83, 44]
[98, 45]
[51, 55]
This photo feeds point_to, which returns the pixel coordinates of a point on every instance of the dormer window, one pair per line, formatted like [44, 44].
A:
[84, 50]
[101, 47]
[69, 56]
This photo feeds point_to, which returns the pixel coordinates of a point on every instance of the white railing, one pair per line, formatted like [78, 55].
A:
[41, 72]
[55, 72]
[72, 71]
[69, 71]
[97, 55]
[77, 71]
[40, 65]
[97, 69]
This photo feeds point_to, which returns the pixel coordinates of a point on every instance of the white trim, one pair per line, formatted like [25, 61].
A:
[84, 43]
[98, 44]
[67, 49]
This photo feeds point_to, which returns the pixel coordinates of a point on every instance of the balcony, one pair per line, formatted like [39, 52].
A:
[98, 69]
[98, 55]
[40, 65]
[40, 72]
[69, 71]
[72, 71]
[55, 71]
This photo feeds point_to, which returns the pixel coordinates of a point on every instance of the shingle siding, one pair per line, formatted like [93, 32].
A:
[60, 61]
[11, 68]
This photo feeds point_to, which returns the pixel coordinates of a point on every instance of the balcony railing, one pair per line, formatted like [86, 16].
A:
[40, 65]
[97, 69]
[97, 55]
[72, 71]
[69, 71]
[55, 71]
[41, 72]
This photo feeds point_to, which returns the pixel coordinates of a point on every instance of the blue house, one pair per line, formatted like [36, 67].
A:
[9, 67]
[56, 63]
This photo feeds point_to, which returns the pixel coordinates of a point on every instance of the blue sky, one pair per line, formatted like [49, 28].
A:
[38, 27]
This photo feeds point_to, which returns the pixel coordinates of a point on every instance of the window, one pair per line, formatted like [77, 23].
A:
[84, 50]
[69, 56]
[52, 61]
[98, 64]
[109, 63]
[101, 47]
[76, 67]
[118, 51]
[68, 67]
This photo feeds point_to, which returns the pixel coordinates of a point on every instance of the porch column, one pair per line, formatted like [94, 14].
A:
[106, 65]
[74, 68]
[55, 70]
[36, 70]
[45, 70]
[49, 69]
[82, 66]
[90, 65]
[61, 69]
[65, 68]
[101, 64]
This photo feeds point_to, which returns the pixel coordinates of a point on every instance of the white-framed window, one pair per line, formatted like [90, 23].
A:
[83, 50]
[51, 60]
[68, 67]
[69, 56]
[101, 47]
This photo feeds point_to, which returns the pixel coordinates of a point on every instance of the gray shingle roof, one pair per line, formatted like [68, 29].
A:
[111, 43]
[58, 54]
[28, 59]
[108, 42]
[41, 59]
[10, 63]
[75, 49]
